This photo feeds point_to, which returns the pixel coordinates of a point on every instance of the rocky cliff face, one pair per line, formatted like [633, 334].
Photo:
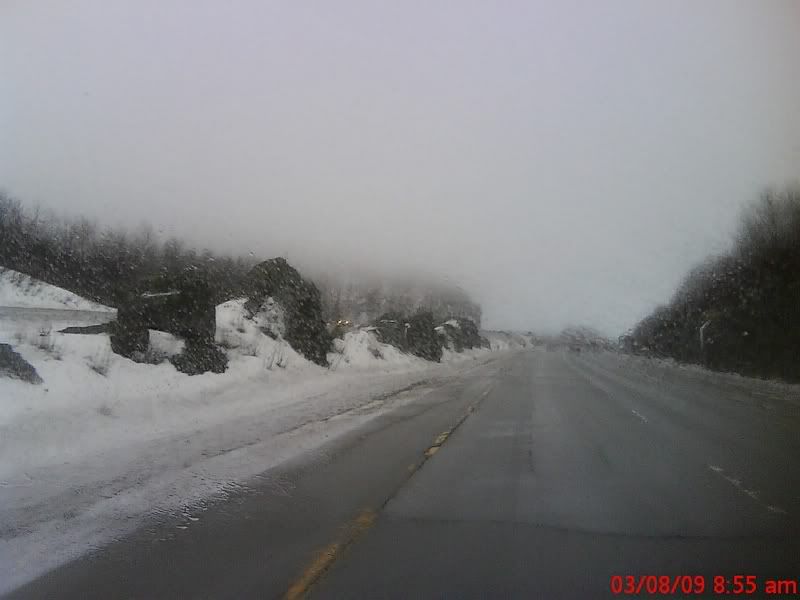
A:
[299, 307]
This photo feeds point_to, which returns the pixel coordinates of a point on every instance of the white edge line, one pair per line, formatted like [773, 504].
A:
[737, 483]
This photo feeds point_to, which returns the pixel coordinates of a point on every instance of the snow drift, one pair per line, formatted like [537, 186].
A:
[107, 440]
[22, 291]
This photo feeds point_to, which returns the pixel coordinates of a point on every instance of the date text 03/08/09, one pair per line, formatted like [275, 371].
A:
[671, 585]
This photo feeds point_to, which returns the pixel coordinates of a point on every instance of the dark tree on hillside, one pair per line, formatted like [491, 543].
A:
[747, 302]
[103, 266]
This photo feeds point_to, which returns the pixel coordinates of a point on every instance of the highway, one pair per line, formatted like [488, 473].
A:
[541, 474]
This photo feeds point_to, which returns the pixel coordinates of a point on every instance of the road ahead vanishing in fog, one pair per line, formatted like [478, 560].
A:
[559, 470]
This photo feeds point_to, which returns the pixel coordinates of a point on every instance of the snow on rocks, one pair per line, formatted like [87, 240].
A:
[361, 349]
[505, 340]
[23, 291]
[109, 440]
[245, 339]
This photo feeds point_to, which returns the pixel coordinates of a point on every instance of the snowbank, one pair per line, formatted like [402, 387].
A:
[23, 291]
[505, 340]
[110, 442]
[246, 342]
[362, 350]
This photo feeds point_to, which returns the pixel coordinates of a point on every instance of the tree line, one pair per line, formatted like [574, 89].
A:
[739, 311]
[365, 299]
[104, 264]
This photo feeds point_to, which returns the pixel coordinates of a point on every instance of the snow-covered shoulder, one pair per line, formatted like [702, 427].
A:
[23, 291]
[138, 437]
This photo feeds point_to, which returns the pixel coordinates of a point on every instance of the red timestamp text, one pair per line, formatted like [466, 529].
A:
[633, 585]
[683, 585]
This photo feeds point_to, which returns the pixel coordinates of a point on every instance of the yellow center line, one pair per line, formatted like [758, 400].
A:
[325, 557]
[357, 527]
[441, 438]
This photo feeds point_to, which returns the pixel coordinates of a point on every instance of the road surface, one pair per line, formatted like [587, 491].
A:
[539, 475]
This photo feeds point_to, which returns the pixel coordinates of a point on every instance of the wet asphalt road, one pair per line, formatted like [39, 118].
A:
[568, 469]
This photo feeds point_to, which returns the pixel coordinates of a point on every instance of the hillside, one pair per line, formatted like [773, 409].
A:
[22, 291]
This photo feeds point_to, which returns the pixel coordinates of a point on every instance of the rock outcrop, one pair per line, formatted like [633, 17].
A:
[300, 307]
[416, 334]
[423, 341]
[13, 365]
[183, 306]
[460, 333]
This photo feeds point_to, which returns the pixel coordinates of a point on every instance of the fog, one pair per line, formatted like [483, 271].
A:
[564, 162]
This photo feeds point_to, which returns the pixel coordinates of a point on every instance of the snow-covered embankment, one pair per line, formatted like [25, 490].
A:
[105, 442]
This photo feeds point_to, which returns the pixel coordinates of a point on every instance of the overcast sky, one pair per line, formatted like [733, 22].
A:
[565, 161]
